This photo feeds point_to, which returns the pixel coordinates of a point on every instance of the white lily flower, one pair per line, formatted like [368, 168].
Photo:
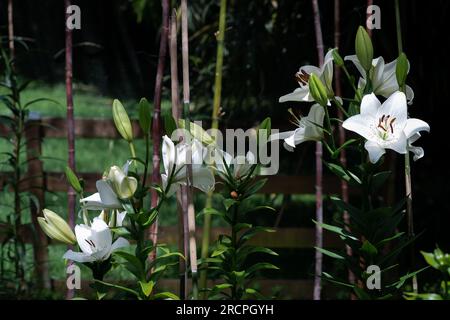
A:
[175, 160]
[95, 242]
[418, 151]
[116, 218]
[383, 77]
[116, 185]
[239, 166]
[325, 74]
[386, 126]
[309, 128]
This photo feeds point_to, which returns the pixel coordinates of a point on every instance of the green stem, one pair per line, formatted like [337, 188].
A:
[214, 126]
[133, 151]
[340, 106]
[327, 117]
[234, 287]
[408, 178]
[350, 81]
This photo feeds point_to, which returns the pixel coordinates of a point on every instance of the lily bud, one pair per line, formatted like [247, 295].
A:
[56, 227]
[145, 118]
[317, 90]
[401, 70]
[364, 48]
[122, 121]
[123, 186]
[337, 58]
[73, 180]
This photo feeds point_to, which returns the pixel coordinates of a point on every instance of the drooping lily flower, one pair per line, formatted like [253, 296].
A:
[386, 126]
[116, 185]
[175, 161]
[309, 128]
[325, 74]
[238, 166]
[95, 242]
[382, 77]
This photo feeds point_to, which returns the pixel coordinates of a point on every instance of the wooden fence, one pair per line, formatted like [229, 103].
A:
[39, 129]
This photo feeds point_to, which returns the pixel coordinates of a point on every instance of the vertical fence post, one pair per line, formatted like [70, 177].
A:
[35, 175]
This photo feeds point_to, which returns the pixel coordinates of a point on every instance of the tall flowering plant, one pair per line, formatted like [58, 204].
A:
[378, 116]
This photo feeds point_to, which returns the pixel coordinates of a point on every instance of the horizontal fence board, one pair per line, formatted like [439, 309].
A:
[288, 288]
[281, 238]
[283, 184]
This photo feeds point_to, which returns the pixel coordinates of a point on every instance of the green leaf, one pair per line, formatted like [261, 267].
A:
[214, 212]
[343, 174]
[218, 252]
[343, 146]
[170, 125]
[227, 203]
[422, 296]
[121, 288]
[258, 208]
[148, 218]
[145, 115]
[254, 188]
[362, 295]
[340, 231]
[328, 277]
[134, 264]
[248, 234]
[430, 259]
[330, 253]
[369, 249]
[401, 70]
[260, 266]
[243, 252]
[121, 231]
[406, 277]
[73, 180]
[222, 286]
[379, 179]
[384, 241]
[165, 296]
[266, 125]
[147, 287]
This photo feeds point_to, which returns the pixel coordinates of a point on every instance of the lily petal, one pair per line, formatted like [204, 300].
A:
[374, 150]
[396, 107]
[370, 105]
[360, 125]
[414, 126]
[119, 243]
[299, 94]
[78, 256]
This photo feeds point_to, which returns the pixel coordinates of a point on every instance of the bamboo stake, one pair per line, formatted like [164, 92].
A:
[176, 113]
[408, 179]
[71, 195]
[156, 122]
[319, 152]
[343, 156]
[214, 125]
[11, 29]
[186, 103]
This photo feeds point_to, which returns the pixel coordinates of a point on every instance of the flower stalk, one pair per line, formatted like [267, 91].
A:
[220, 36]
